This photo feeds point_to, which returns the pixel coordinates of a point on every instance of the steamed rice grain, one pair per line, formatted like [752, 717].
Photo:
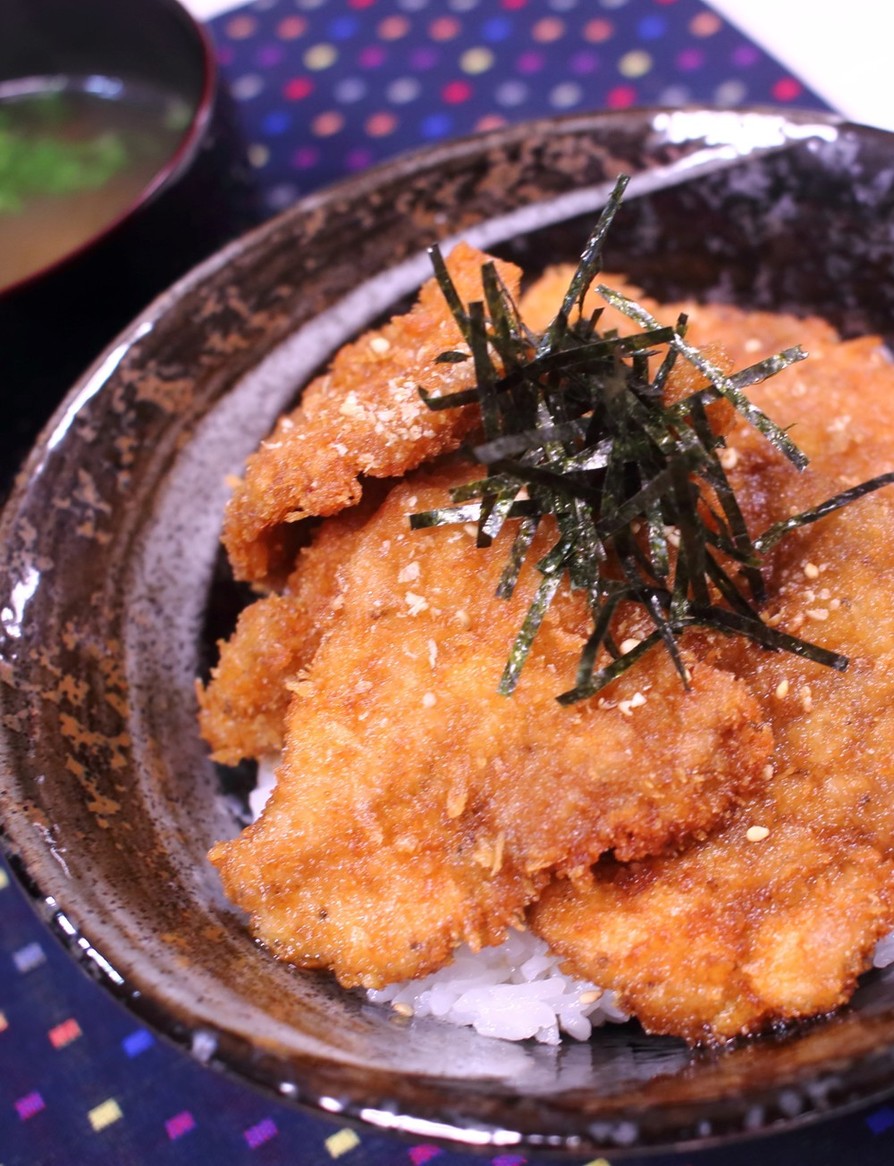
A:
[515, 991]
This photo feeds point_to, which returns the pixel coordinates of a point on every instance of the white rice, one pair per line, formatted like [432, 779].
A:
[266, 780]
[514, 991]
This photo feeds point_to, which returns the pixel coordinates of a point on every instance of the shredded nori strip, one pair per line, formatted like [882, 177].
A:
[575, 427]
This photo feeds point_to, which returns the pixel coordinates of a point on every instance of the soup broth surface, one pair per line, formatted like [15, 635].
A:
[75, 154]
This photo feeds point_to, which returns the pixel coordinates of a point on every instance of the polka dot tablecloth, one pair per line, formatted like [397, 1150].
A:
[322, 90]
[326, 89]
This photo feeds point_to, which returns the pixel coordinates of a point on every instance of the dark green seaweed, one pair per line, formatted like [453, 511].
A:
[576, 428]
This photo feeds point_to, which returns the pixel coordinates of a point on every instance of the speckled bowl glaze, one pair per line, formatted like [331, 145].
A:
[112, 589]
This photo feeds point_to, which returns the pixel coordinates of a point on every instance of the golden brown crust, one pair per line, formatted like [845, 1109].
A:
[242, 709]
[364, 417]
[416, 807]
[775, 914]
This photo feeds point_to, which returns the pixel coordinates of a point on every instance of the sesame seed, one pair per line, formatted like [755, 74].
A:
[429, 700]
[811, 570]
[379, 344]
[757, 833]
[627, 706]
[782, 689]
[729, 458]
[590, 997]
[463, 618]
[818, 613]
[629, 645]
[402, 1009]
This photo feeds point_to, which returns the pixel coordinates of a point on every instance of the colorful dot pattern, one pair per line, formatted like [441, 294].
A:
[325, 89]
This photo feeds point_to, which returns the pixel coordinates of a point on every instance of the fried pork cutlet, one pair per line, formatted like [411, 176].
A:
[774, 916]
[364, 417]
[417, 808]
[242, 709]
[244, 704]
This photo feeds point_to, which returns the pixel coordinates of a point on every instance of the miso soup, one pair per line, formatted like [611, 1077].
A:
[75, 154]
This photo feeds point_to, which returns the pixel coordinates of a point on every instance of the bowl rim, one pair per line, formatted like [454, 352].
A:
[681, 1132]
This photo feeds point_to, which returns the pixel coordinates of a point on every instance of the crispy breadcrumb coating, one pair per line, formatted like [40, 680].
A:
[417, 808]
[773, 916]
[721, 857]
[362, 418]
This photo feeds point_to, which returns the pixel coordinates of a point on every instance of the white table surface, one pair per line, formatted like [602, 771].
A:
[847, 61]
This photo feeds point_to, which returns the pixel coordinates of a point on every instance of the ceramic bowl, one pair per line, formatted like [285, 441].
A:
[198, 198]
[112, 591]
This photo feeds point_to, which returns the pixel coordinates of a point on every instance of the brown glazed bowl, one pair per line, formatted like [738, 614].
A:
[112, 590]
